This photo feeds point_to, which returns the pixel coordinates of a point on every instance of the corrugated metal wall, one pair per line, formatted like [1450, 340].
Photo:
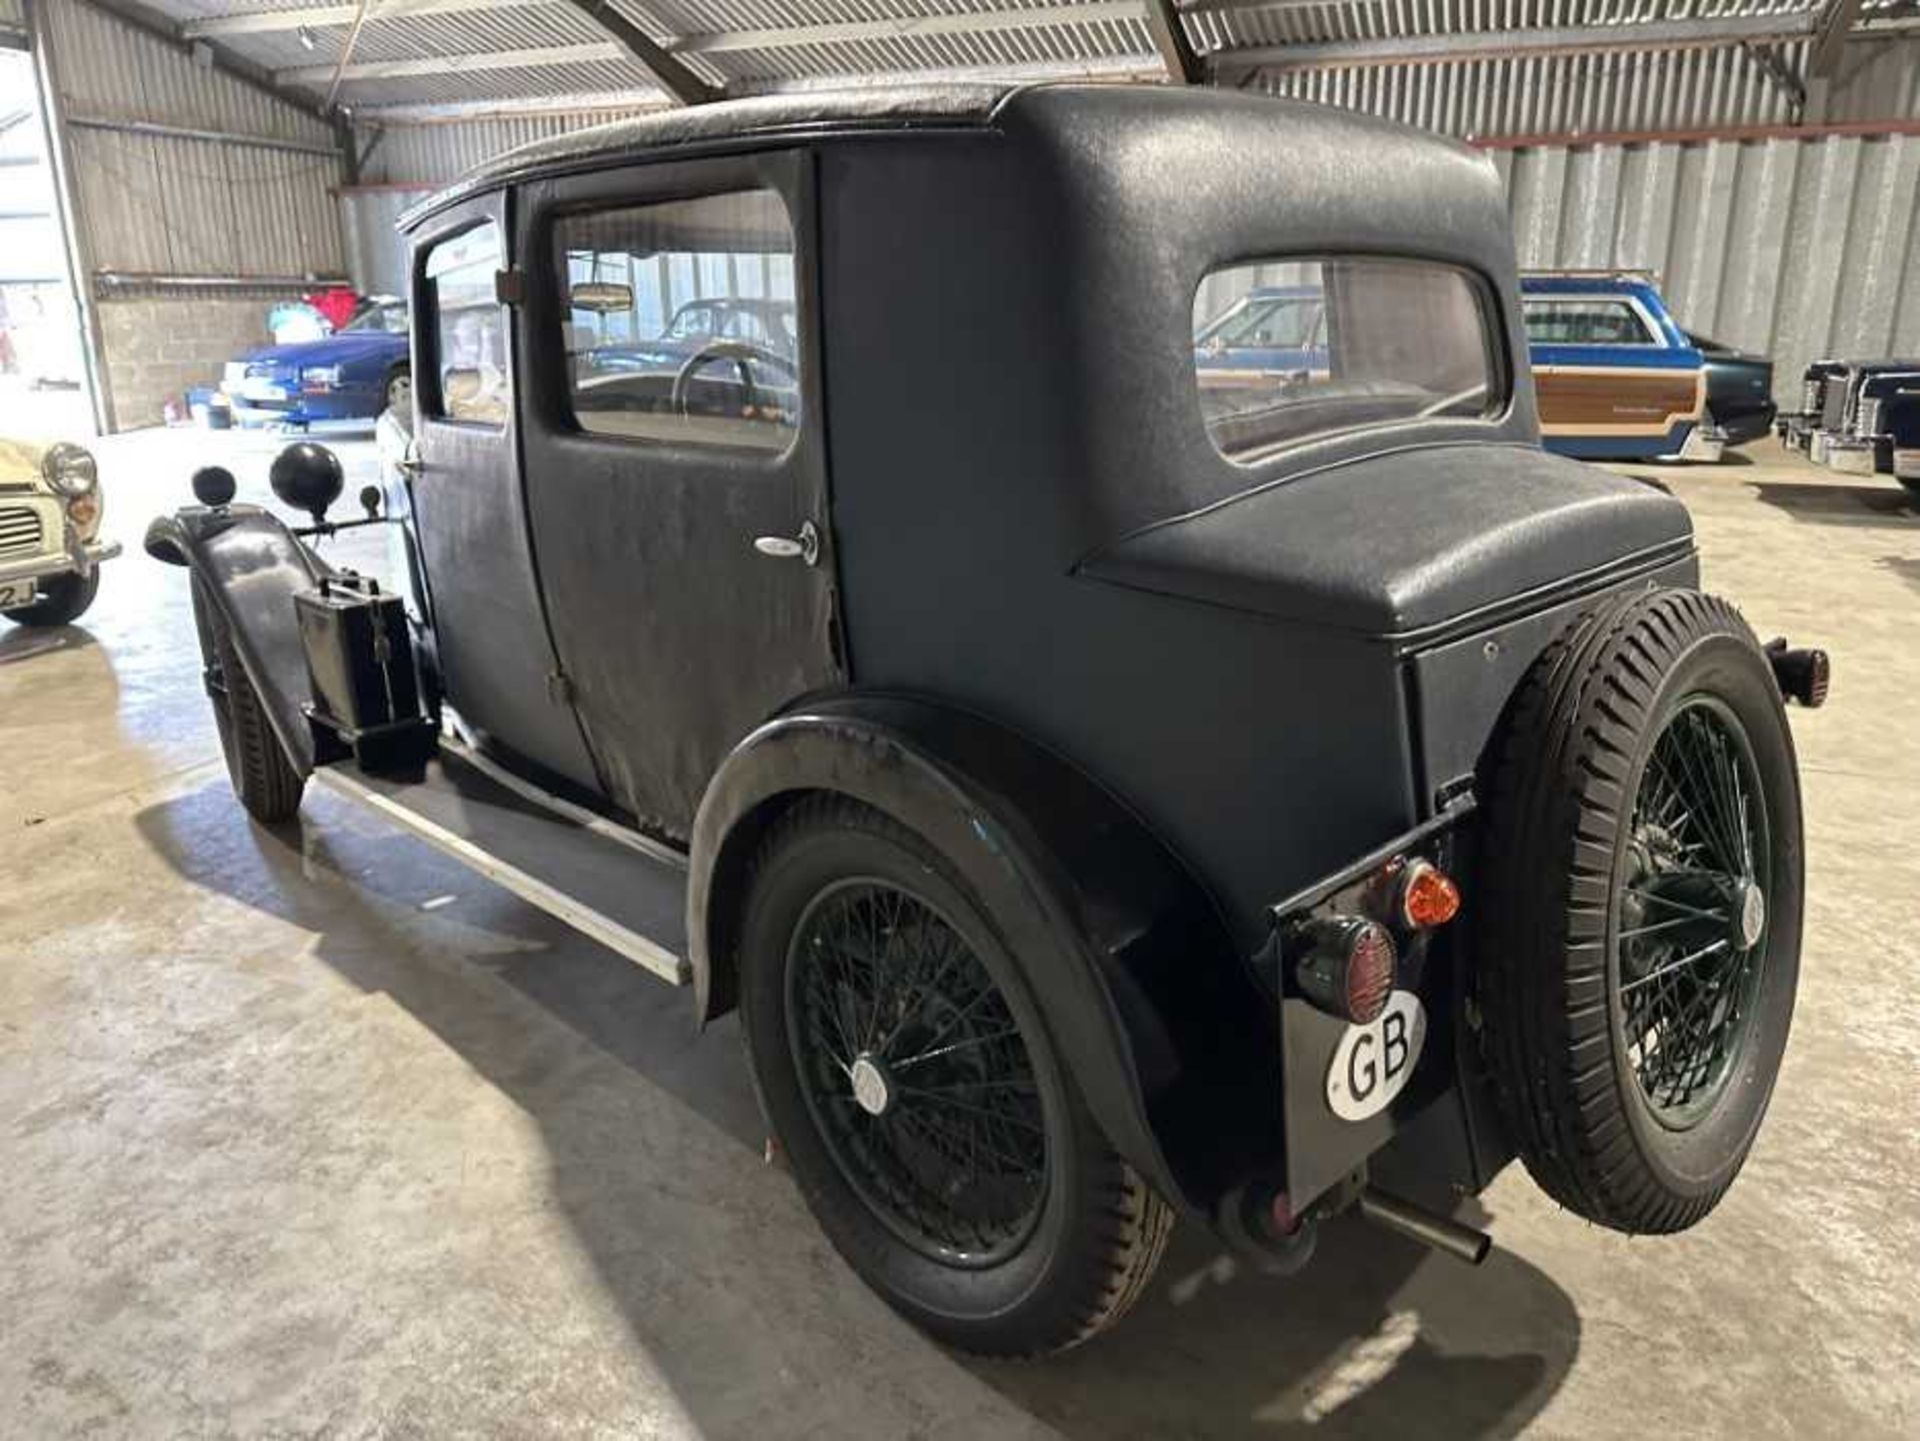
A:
[13, 17]
[168, 205]
[1792, 248]
[435, 154]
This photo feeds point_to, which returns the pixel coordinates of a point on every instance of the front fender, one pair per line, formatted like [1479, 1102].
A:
[249, 565]
[1167, 1035]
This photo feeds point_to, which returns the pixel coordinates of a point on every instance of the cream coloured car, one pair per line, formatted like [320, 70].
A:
[50, 546]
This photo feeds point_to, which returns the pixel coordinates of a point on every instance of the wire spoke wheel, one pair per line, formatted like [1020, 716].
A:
[913, 1068]
[1690, 919]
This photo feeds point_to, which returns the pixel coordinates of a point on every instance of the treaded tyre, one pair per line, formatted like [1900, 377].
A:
[1638, 937]
[63, 599]
[909, 1077]
[263, 778]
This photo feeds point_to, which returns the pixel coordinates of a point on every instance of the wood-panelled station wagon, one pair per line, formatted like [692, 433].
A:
[1110, 784]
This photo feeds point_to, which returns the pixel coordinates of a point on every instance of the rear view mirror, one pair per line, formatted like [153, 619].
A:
[601, 297]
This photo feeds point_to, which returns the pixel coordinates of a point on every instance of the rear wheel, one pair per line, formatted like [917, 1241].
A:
[63, 599]
[910, 1080]
[262, 776]
[1639, 934]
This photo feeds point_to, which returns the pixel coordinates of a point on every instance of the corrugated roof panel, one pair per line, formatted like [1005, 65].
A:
[109, 69]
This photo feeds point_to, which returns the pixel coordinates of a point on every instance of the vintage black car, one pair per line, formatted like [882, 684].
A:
[1109, 788]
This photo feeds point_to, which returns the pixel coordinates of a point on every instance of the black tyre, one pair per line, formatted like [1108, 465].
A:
[263, 778]
[911, 1083]
[63, 598]
[1638, 934]
[1911, 483]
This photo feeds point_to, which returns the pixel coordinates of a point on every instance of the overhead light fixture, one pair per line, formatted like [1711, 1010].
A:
[306, 37]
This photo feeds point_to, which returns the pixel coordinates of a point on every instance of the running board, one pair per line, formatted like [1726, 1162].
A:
[614, 885]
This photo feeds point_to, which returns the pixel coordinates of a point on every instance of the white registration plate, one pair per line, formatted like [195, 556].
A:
[1373, 1063]
[15, 593]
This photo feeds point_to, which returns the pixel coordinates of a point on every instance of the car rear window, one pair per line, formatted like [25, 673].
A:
[681, 320]
[1585, 322]
[1290, 350]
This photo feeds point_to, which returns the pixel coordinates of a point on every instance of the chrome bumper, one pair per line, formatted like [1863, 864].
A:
[59, 562]
[1850, 457]
[1704, 443]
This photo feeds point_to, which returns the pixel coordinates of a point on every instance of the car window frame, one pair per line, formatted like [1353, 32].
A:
[1274, 461]
[430, 397]
[677, 184]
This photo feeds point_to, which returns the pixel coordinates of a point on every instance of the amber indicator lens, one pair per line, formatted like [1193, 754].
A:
[1428, 896]
[1348, 967]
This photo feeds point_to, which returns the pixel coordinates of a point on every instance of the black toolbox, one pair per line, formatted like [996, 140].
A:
[367, 698]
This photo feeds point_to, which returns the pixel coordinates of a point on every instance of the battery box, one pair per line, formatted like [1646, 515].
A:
[367, 699]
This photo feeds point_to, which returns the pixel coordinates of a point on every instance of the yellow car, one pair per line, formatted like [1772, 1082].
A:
[50, 546]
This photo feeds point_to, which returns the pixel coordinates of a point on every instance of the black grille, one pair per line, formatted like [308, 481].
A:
[19, 530]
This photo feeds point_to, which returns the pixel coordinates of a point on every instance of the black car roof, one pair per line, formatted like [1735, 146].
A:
[728, 124]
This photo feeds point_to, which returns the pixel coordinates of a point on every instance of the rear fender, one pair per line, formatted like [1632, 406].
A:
[1161, 1023]
[250, 566]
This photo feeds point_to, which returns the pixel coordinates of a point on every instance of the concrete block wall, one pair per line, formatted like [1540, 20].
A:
[157, 345]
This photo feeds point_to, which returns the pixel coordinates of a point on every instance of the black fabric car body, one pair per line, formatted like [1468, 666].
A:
[1069, 760]
[1739, 391]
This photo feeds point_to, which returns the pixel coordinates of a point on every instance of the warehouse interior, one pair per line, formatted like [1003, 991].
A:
[334, 1135]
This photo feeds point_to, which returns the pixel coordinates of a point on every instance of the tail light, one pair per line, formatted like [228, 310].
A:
[1348, 967]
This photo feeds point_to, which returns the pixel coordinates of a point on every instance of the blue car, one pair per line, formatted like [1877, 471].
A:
[353, 374]
[1615, 376]
[1271, 337]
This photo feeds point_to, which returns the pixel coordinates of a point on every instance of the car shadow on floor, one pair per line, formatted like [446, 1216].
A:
[1377, 1336]
[1907, 568]
[1838, 503]
[24, 642]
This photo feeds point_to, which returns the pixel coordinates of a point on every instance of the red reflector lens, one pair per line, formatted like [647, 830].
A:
[1348, 967]
[1428, 896]
[1370, 968]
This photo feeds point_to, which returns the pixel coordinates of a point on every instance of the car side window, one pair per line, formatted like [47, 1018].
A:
[1585, 322]
[680, 320]
[1290, 350]
[472, 380]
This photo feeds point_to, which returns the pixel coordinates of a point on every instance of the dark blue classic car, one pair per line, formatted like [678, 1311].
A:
[353, 374]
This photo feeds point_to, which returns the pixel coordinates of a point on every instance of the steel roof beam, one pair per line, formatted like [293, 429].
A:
[1830, 37]
[313, 17]
[966, 22]
[1512, 44]
[598, 52]
[668, 72]
[1169, 37]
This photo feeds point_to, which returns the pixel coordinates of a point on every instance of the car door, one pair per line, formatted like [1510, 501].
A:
[678, 490]
[1602, 369]
[490, 634]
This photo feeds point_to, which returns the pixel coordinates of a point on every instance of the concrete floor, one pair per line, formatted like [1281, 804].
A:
[330, 1138]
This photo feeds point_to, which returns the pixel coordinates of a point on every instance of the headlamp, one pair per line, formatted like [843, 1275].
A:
[70, 470]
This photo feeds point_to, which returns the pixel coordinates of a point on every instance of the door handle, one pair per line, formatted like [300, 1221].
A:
[803, 547]
[411, 465]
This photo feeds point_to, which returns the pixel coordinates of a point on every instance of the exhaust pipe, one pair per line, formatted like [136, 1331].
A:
[1442, 1233]
[1802, 675]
